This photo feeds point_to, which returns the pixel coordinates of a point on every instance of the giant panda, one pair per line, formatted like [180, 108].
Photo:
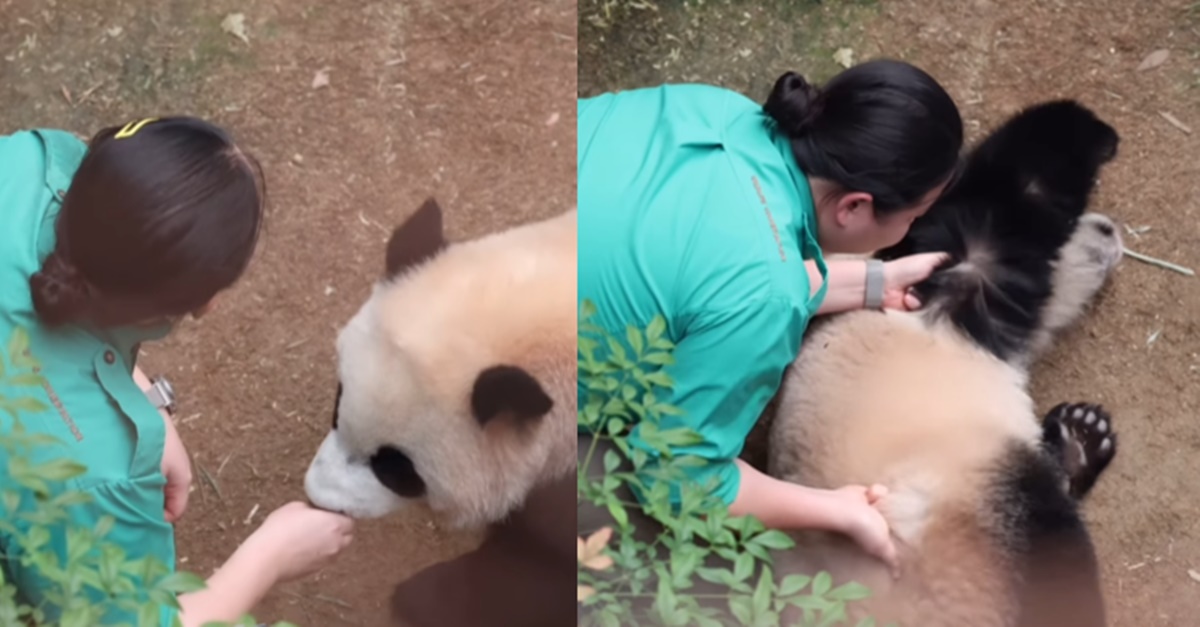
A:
[457, 390]
[984, 499]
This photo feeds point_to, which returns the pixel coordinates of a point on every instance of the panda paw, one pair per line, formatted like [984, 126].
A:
[1080, 435]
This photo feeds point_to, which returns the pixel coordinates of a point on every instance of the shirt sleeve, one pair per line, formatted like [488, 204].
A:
[727, 368]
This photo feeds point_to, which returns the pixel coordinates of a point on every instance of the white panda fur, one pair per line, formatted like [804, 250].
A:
[408, 361]
[937, 410]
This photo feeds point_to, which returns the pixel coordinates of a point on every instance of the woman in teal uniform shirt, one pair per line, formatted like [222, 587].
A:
[102, 247]
[699, 204]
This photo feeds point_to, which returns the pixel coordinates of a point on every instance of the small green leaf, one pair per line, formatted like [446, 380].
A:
[774, 539]
[793, 584]
[852, 591]
[18, 344]
[182, 583]
[618, 351]
[762, 592]
[58, 470]
[634, 336]
[655, 329]
[661, 379]
[617, 511]
[587, 309]
[658, 359]
[611, 460]
[743, 567]
[742, 609]
[26, 380]
[25, 404]
[821, 583]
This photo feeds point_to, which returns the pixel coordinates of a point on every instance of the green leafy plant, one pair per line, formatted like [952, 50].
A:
[95, 575]
[620, 575]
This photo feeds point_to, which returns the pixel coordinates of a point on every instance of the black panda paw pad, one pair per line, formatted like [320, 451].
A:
[1082, 435]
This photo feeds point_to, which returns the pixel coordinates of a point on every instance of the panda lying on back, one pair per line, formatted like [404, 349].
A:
[983, 501]
[457, 389]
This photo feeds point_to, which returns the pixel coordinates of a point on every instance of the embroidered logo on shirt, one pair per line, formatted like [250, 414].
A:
[770, 218]
[62, 411]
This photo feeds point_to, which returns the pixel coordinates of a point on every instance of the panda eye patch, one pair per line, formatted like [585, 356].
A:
[395, 471]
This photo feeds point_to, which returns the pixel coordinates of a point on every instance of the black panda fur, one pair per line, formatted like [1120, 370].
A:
[1010, 547]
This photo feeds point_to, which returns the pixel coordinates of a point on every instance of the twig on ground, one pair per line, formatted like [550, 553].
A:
[211, 482]
[1166, 265]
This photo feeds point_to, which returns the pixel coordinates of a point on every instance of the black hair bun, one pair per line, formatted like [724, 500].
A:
[794, 103]
[60, 294]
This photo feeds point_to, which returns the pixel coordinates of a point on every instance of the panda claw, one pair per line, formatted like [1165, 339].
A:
[1079, 435]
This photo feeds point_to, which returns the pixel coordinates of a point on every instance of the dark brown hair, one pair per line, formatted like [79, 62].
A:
[153, 226]
[883, 127]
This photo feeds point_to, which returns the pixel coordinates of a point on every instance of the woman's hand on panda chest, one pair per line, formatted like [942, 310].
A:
[862, 521]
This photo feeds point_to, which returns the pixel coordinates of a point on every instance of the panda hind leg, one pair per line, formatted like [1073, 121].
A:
[1080, 436]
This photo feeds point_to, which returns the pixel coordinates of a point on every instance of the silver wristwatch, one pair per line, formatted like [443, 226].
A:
[161, 394]
[874, 287]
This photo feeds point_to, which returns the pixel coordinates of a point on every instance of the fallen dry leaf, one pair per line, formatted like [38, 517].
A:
[598, 540]
[1154, 59]
[552, 120]
[1194, 575]
[583, 592]
[320, 79]
[235, 24]
[844, 57]
[589, 552]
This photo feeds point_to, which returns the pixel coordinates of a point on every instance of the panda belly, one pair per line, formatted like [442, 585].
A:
[884, 398]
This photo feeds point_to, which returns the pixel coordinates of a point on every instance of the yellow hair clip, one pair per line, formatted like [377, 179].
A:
[129, 129]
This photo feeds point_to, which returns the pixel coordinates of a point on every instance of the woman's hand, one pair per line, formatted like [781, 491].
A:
[177, 468]
[299, 539]
[293, 541]
[865, 524]
[901, 274]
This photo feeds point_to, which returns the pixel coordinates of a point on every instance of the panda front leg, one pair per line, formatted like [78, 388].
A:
[1081, 438]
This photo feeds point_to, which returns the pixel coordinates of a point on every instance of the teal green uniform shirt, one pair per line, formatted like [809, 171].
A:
[94, 408]
[692, 206]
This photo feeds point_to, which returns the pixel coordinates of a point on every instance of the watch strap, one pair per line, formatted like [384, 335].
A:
[159, 397]
[874, 287]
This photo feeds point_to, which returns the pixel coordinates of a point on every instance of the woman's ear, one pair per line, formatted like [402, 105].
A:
[855, 209]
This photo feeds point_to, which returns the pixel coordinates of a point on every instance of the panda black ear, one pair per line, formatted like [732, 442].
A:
[419, 239]
[501, 390]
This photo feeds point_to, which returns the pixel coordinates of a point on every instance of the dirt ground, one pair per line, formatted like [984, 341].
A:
[1139, 352]
[468, 101]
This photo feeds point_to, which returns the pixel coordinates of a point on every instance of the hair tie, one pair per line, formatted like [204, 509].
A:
[129, 129]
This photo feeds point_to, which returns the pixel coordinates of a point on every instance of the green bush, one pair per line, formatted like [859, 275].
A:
[625, 381]
[95, 575]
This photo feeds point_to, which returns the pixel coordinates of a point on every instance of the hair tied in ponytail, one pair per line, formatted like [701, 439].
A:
[794, 104]
[60, 294]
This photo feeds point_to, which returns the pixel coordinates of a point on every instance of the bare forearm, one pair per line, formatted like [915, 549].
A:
[782, 505]
[847, 284]
[233, 590]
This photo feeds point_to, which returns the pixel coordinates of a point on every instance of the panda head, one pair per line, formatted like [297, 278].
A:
[431, 403]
